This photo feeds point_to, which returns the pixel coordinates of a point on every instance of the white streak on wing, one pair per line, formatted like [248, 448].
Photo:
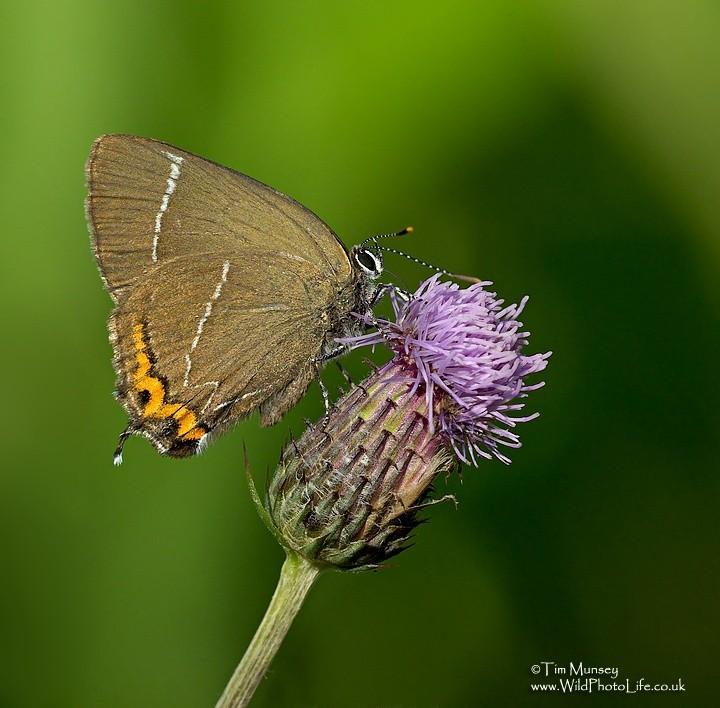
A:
[201, 325]
[235, 400]
[209, 305]
[172, 181]
[215, 385]
[188, 366]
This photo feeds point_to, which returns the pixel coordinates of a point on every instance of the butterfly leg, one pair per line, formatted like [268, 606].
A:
[390, 290]
[325, 396]
[331, 354]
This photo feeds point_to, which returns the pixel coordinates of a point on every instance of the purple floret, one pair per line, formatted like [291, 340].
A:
[464, 348]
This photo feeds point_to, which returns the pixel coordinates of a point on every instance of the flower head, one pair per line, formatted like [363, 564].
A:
[347, 492]
[463, 349]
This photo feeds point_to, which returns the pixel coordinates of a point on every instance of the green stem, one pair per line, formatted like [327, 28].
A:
[296, 579]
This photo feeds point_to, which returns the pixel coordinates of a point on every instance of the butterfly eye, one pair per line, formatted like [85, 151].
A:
[369, 262]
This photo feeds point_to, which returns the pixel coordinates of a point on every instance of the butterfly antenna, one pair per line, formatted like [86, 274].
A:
[425, 264]
[402, 232]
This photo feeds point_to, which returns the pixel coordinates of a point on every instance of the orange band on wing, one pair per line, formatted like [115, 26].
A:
[151, 392]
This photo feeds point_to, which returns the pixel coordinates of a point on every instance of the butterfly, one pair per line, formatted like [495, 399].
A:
[228, 295]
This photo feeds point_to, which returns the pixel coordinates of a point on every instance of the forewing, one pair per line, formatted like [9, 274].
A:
[149, 202]
[204, 340]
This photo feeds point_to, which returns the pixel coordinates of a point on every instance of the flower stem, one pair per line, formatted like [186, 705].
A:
[296, 579]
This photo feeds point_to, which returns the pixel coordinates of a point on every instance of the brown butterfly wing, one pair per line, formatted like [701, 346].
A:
[148, 201]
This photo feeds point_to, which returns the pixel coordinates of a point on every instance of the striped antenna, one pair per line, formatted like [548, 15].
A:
[425, 264]
[402, 232]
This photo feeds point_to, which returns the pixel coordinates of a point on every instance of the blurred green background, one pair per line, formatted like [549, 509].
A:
[568, 150]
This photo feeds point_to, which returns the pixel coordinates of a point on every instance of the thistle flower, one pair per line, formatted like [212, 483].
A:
[463, 348]
[347, 493]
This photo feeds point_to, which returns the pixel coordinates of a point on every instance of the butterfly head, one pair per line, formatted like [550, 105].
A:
[367, 261]
[367, 257]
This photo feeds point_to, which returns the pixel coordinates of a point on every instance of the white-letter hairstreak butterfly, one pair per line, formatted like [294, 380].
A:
[228, 294]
